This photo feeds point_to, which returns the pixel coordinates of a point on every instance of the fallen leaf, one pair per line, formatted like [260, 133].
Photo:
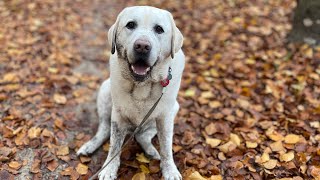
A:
[277, 146]
[15, 165]
[139, 176]
[196, 176]
[286, 157]
[85, 159]
[59, 123]
[141, 158]
[227, 147]
[106, 147]
[144, 169]
[34, 132]
[59, 99]
[52, 165]
[250, 144]
[291, 139]
[213, 142]
[62, 151]
[235, 139]
[82, 169]
[272, 163]
[35, 168]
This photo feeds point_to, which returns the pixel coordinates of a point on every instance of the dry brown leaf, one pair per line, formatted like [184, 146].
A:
[62, 151]
[211, 129]
[35, 168]
[82, 169]
[215, 177]
[214, 104]
[291, 139]
[106, 147]
[15, 165]
[52, 165]
[227, 147]
[47, 133]
[85, 159]
[34, 132]
[213, 142]
[139, 176]
[272, 163]
[196, 176]
[235, 139]
[277, 146]
[286, 157]
[59, 99]
[59, 123]
[250, 144]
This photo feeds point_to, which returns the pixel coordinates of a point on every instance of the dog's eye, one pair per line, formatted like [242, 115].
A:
[158, 29]
[131, 25]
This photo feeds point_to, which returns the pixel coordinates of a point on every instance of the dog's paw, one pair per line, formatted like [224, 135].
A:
[87, 149]
[170, 172]
[152, 153]
[107, 174]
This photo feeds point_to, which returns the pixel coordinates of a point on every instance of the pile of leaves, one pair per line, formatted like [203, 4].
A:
[250, 102]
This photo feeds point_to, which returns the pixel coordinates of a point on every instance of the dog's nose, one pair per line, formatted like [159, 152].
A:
[142, 46]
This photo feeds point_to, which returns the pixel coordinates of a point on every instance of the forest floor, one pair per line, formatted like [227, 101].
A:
[250, 102]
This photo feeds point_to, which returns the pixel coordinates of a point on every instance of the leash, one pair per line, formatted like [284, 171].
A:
[164, 83]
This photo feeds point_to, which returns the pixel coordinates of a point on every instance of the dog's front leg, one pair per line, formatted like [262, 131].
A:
[118, 134]
[165, 134]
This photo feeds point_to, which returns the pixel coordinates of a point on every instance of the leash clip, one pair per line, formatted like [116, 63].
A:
[164, 83]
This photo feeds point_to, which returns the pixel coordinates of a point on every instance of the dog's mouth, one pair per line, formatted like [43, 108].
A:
[140, 70]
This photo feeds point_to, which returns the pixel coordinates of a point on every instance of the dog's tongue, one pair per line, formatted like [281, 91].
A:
[140, 69]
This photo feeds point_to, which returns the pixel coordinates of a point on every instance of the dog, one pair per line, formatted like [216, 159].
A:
[145, 48]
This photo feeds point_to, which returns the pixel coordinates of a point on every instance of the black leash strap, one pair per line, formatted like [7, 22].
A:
[132, 135]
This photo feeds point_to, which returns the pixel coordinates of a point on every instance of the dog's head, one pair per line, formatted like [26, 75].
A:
[142, 36]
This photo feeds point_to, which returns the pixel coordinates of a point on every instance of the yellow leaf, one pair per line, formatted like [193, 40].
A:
[189, 92]
[265, 157]
[229, 146]
[144, 169]
[291, 139]
[15, 165]
[250, 144]
[274, 135]
[207, 94]
[213, 142]
[272, 163]
[216, 177]
[53, 70]
[286, 157]
[196, 176]
[10, 77]
[235, 139]
[141, 158]
[34, 132]
[82, 169]
[139, 176]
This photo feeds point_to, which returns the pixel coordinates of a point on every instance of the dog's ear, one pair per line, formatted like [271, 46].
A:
[112, 35]
[176, 37]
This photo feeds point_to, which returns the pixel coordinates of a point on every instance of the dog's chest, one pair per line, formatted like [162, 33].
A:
[135, 103]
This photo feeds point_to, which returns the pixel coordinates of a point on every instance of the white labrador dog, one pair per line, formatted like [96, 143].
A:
[145, 44]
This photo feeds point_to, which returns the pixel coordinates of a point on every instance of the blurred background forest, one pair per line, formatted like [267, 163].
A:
[250, 99]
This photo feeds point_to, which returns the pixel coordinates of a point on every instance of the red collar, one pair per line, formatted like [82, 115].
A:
[165, 82]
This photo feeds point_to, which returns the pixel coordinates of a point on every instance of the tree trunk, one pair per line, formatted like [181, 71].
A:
[306, 22]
